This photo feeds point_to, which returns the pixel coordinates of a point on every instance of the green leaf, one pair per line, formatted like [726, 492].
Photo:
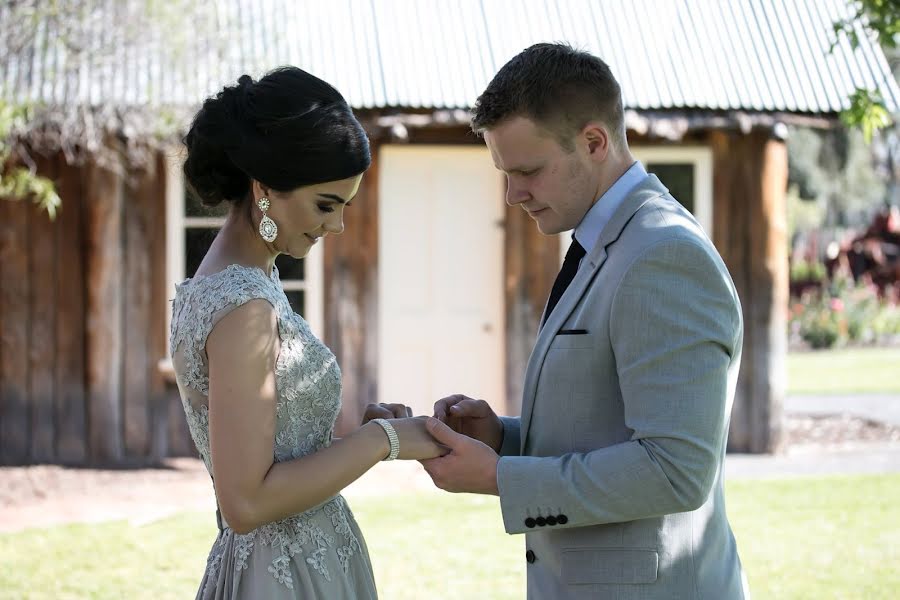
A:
[20, 183]
[868, 112]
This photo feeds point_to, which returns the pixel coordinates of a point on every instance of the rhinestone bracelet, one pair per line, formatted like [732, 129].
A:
[392, 438]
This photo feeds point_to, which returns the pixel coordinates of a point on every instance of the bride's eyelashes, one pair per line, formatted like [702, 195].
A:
[327, 208]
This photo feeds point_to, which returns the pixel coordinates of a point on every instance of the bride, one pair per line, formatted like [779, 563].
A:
[261, 393]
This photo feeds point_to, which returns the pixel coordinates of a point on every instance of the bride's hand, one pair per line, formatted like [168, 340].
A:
[415, 441]
[386, 411]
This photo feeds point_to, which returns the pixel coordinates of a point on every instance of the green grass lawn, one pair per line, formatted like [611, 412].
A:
[845, 371]
[834, 537]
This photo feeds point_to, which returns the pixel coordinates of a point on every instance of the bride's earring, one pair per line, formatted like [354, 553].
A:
[267, 227]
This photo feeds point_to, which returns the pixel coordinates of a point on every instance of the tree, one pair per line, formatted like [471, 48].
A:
[16, 181]
[880, 19]
[129, 26]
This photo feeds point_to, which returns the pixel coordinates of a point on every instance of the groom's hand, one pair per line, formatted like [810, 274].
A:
[386, 411]
[470, 466]
[474, 418]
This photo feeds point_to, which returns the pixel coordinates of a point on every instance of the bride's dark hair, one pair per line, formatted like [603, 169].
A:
[287, 130]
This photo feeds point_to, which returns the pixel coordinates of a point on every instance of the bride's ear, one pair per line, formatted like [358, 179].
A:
[259, 190]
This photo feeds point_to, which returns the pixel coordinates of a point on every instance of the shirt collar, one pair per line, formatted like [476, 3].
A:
[588, 231]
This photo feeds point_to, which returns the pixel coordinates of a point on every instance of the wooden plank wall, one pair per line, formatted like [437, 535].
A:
[145, 402]
[71, 414]
[104, 344]
[42, 252]
[15, 285]
[750, 229]
[83, 303]
[351, 301]
[531, 263]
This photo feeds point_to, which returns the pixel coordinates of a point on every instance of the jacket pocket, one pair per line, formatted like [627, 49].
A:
[572, 341]
[609, 565]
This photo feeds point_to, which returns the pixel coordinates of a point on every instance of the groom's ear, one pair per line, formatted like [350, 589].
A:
[595, 136]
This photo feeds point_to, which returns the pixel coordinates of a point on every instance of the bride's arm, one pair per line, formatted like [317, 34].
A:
[251, 489]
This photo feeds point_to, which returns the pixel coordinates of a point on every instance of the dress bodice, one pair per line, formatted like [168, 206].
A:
[308, 382]
[307, 376]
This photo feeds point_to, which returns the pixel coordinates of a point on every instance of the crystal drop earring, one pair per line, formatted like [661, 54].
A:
[267, 227]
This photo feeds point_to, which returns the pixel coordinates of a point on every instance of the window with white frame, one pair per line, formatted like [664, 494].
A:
[191, 228]
[686, 171]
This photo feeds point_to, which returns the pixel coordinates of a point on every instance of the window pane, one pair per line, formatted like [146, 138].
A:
[290, 267]
[297, 300]
[196, 242]
[193, 207]
[679, 178]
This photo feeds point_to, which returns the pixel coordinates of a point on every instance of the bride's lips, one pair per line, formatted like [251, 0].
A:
[311, 239]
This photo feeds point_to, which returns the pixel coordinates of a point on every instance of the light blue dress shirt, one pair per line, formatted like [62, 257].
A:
[588, 231]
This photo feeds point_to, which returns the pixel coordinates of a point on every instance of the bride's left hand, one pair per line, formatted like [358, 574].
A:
[386, 411]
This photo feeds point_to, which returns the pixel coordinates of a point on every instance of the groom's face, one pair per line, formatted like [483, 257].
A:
[553, 185]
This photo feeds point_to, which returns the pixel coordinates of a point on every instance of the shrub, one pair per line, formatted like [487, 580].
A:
[804, 271]
[843, 312]
[821, 326]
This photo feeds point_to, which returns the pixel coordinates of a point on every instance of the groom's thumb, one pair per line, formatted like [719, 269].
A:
[441, 432]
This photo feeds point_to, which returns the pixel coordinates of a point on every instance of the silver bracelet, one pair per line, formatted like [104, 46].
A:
[392, 438]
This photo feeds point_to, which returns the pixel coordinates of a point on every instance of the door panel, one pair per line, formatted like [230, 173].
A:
[441, 318]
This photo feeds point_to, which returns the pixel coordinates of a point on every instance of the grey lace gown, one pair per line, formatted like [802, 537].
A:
[316, 554]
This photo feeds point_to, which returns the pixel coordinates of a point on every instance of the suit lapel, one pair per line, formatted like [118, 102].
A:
[647, 190]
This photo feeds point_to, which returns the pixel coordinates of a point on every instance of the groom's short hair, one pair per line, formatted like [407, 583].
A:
[558, 87]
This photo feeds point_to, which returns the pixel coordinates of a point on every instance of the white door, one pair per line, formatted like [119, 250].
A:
[441, 318]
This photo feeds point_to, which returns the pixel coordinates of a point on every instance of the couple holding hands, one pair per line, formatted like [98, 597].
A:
[613, 471]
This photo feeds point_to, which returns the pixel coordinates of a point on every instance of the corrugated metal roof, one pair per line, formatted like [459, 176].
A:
[759, 55]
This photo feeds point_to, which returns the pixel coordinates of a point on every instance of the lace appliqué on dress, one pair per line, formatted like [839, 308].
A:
[308, 381]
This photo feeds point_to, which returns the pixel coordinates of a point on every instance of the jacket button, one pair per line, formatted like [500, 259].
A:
[529, 522]
[541, 521]
[551, 520]
[529, 557]
[562, 519]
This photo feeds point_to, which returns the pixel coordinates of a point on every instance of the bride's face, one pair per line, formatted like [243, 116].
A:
[306, 214]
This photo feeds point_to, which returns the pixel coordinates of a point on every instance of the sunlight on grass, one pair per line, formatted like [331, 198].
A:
[834, 537]
[823, 537]
[845, 371]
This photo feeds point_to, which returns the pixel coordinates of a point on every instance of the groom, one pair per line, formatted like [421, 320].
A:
[614, 470]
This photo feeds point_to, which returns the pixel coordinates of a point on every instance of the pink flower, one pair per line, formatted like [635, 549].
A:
[837, 305]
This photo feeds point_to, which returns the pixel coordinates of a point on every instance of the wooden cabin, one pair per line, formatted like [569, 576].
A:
[436, 286]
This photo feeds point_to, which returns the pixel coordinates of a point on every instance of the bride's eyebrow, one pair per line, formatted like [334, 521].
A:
[334, 197]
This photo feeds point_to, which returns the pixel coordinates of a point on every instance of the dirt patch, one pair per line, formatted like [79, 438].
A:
[47, 495]
[44, 495]
[833, 430]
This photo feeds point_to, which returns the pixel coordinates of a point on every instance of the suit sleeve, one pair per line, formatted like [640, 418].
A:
[510, 445]
[675, 328]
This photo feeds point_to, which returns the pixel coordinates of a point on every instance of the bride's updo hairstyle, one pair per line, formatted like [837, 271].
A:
[287, 130]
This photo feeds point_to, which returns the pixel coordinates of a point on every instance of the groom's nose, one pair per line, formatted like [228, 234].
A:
[516, 193]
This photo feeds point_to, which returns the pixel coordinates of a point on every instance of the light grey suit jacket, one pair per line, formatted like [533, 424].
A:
[614, 470]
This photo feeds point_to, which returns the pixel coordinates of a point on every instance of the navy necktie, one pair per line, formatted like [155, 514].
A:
[565, 277]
